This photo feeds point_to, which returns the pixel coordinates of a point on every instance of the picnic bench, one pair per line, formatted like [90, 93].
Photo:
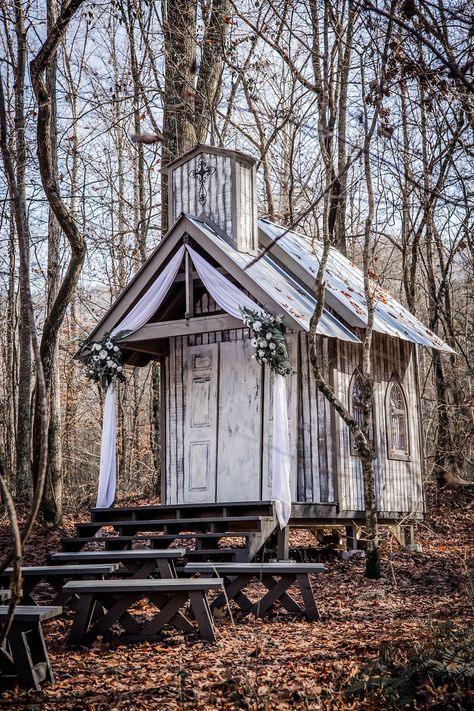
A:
[24, 655]
[103, 603]
[56, 576]
[140, 563]
[276, 577]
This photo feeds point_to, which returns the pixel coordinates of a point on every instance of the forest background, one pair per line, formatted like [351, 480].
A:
[361, 118]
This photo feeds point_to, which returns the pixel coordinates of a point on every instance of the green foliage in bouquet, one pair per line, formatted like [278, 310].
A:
[269, 340]
[102, 361]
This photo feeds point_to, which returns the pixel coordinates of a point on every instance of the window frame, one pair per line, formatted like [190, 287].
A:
[353, 450]
[392, 453]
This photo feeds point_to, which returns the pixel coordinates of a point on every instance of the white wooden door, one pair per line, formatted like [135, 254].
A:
[200, 424]
[239, 423]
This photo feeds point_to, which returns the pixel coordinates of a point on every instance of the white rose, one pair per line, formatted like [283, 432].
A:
[269, 336]
[96, 346]
[262, 343]
[103, 354]
[95, 358]
[109, 345]
[272, 346]
[261, 353]
[110, 363]
[119, 368]
[254, 342]
[257, 326]
[116, 349]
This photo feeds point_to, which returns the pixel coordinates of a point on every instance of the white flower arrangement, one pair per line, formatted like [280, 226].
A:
[102, 361]
[269, 340]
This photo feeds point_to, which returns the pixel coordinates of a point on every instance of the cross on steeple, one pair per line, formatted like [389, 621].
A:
[201, 174]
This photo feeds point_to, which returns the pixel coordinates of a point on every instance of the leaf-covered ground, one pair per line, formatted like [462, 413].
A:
[285, 663]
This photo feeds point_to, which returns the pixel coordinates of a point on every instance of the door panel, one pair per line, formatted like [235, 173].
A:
[200, 424]
[239, 431]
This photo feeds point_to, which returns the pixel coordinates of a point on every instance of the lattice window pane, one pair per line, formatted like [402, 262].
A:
[398, 420]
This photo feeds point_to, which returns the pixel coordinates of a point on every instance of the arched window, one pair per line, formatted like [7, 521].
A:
[397, 422]
[357, 407]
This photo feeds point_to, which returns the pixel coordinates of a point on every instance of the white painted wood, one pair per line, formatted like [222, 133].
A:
[239, 437]
[200, 428]
[229, 193]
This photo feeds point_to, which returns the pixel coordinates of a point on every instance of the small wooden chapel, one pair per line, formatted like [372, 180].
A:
[215, 398]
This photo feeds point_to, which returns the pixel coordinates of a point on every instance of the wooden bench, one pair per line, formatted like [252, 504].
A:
[140, 563]
[56, 576]
[105, 602]
[24, 655]
[276, 577]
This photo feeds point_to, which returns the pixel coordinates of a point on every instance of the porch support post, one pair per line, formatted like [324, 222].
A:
[282, 543]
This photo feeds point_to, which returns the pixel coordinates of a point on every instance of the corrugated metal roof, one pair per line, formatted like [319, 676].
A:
[345, 283]
[294, 299]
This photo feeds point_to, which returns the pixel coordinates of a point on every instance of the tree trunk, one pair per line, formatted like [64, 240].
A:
[23, 430]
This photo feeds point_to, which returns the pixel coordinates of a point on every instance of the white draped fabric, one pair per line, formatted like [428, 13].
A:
[224, 293]
[281, 457]
[138, 316]
[108, 459]
[231, 300]
[151, 299]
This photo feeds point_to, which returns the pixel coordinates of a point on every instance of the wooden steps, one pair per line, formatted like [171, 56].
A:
[157, 541]
[159, 527]
[183, 511]
[176, 525]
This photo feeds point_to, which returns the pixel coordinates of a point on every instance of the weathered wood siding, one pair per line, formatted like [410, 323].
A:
[399, 482]
[218, 415]
[219, 423]
[229, 197]
[315, 431]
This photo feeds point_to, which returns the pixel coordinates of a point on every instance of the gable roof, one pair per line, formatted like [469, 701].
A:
[281, 280]
[264, 280]
[345, 291]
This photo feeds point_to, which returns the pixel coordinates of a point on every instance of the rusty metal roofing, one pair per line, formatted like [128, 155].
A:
[294, 299]
[345, 288]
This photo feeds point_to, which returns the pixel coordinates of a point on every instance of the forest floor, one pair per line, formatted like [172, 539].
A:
[404, 641]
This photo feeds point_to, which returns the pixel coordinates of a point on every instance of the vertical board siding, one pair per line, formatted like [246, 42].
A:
[218, 186]
[315, 436]
[320, 439]
[398, 481]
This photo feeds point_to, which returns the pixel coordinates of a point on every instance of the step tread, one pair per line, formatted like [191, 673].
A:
[161, 536]
[174, 507]
[170, 521]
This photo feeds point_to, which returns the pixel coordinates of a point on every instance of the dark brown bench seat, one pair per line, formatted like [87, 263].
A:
[276, 577]
[106, 602]
[139, 563]
[56, 576]
[24, 656]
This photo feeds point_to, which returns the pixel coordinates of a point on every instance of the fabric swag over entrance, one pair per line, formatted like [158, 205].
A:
[231, 299]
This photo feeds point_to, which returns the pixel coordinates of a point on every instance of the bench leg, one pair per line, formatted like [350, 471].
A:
[307, 594]
[82, 619]
[233, 591]
[168, 614]
[202, 615]
[29, 654]
[276, 592]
